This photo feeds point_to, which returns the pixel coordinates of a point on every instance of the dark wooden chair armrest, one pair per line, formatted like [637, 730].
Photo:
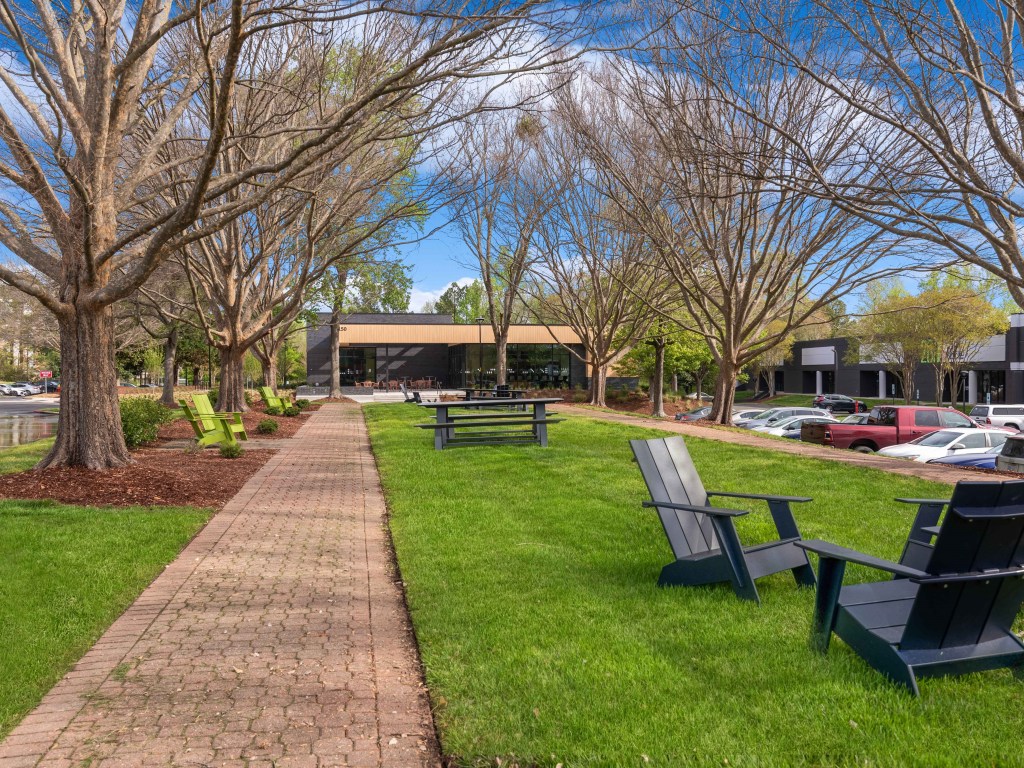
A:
[761, 496]
[923, 501]
[831, 551]
[719, 511]
[953, 578]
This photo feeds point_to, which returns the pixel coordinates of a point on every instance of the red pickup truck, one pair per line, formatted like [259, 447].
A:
[886, 425]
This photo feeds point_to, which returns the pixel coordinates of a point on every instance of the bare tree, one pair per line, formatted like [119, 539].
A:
[156, 310]
[501, 197]
[100, 97]
[932, 93]
[594, 271]
[749, 259]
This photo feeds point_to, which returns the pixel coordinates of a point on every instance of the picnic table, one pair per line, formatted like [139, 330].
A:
[493, 393]
[493, 428]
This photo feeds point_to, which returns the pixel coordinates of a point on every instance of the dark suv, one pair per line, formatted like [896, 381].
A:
[839, 404]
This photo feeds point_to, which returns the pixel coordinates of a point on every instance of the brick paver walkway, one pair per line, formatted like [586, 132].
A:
[278, 638]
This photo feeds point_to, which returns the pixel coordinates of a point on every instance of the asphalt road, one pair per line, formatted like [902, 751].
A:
[13, 406]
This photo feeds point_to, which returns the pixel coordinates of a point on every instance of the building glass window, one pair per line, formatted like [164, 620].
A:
[529, 366]
[358, 364]
[992, 384]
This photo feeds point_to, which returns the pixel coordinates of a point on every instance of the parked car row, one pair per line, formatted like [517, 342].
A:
[27, 388]
[990, 438]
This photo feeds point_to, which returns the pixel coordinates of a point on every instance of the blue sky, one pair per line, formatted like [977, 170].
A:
[436, 262]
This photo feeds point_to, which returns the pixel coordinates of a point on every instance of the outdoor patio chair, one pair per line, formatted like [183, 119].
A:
[211, 429]
[272, 400]
[951, 616]
[204, 408]
[703, 538]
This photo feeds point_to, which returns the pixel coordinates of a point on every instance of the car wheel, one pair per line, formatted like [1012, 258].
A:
[862, 449]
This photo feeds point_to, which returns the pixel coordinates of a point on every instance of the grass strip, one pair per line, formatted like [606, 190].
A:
[23, 457]
[65, 574]
[531, 580]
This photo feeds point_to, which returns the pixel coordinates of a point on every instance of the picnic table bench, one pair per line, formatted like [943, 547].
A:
[481, 394]
[493, 428]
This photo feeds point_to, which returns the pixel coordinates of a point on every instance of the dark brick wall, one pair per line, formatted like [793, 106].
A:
[318, 356]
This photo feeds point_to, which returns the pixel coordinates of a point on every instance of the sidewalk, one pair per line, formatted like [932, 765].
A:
[277, 638]
[934, 472]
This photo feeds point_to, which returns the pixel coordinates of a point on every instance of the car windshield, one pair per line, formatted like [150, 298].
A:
[936, 439]
[766, 414]
[792, 421]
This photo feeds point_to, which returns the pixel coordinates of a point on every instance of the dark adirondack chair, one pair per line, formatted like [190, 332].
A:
[951, 616]
[703, 538]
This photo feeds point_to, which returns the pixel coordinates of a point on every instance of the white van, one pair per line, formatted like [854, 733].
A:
[999, 415]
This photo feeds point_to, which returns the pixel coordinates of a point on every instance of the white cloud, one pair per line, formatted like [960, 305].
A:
[418, 296]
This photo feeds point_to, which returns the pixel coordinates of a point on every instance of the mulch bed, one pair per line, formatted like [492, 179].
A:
[287, 426]
[158, 478]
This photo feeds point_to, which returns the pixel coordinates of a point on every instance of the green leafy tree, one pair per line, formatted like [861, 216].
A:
[465, 303]
[962, 313]
[688, 360]
[894, 332]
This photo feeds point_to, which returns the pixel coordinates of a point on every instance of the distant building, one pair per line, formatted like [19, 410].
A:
[417, 346]
[996, 374]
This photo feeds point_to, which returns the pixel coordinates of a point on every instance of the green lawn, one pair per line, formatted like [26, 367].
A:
[531, 579]
[22, 457]
[65, 574]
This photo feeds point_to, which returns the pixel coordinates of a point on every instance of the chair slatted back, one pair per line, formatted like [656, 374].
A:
[194, 419]
[983, 530]
[671, 476]
[204, 410]
[267, 394]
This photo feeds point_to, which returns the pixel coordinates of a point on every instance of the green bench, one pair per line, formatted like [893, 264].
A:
[211, 427]
[272, 400]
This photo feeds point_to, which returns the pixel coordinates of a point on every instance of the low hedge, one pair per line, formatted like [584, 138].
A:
[141, 417]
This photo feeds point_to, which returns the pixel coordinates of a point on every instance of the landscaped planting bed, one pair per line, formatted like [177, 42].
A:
[531, 579]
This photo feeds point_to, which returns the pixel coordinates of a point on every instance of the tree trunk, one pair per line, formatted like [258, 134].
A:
[231, 398]
[501, 349]
[335, 354]
[907, 380]
[675, 382]
[269, 368]
[266, 352]
[195, 375]
[938, 385]
[725, 392]
[769, 379]
[658, 381]
[89, 425]
[170, 368]
[598, 385]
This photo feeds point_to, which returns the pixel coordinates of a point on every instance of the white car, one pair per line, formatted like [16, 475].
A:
[23, 389]
[746, 413]
[794, 422]
[947, 442]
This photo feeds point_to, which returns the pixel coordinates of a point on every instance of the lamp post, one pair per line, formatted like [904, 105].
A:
[480, 351]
